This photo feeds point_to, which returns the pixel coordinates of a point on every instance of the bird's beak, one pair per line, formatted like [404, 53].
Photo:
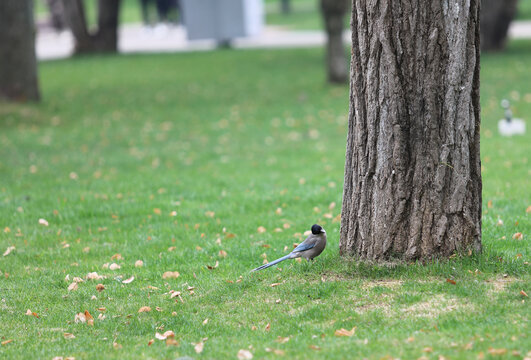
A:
[323, 231]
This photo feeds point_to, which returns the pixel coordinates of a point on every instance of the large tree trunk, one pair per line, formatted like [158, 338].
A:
[333, 12]
[105, 38]
[18, 64]
[412, 173]
[496, 16]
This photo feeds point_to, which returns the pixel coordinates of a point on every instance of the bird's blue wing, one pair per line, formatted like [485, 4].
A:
[303, 247]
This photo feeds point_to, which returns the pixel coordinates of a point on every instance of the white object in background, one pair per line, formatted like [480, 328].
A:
[510, 126]
[222, 20]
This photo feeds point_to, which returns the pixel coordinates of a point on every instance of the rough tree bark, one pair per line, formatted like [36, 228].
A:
[18, 64]
[496, 16]
[412, 172]
[333, 12]
[105, 38]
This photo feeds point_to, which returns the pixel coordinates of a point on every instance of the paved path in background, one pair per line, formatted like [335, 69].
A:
[134, 38]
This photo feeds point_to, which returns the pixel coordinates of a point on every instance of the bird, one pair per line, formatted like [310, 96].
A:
[310, 248]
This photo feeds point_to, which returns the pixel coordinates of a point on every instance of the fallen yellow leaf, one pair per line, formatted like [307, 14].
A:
[144, 309]
[128, 281]
[496, 352]
[244, 355]
[345, 332]
[282, 340]
[172, 341]
[518, 236]
[199, 347]
[170, 275]
[89, 318]
[8, 250]
[73, 286]
[69, 336]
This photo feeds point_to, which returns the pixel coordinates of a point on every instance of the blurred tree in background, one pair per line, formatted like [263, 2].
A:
[56, 14]
[105, 38]
[333, 12]
[18, 64]
[285, 6]
[496, 16]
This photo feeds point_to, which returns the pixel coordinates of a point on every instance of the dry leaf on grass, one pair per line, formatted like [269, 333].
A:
[170, 275]
[427, 349]
[314, 347]
[43, 222]
[244, 355]
[345, 332]
[282, 340]
[451, 281]
[151, 341]
[261, 229]
[172, 342]
[128, 281]
[518, 236]
[276, 351]
[94, 276]
[80, 318]
[199, 347]
[114, 266]
[268, 327]
[210, 267]
[100, 287]
[9, 250]
[275, 284]
[5, 342]
[89, 318]
[222, 253]
[31, 313]
[144, 309]
[523, 293]
[205, 321]
[139, 263]
[73, 286]
[497, 352]
[166, 335]
[69, 336]
[117, 257]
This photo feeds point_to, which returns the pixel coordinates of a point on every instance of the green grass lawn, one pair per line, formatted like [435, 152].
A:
[177, 160]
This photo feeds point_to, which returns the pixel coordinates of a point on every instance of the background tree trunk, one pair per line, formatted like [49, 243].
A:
[105, 38]
[333, 12]
[56, 14]
[18, 64]
[412, 172]
[496, 16]
[285, 6]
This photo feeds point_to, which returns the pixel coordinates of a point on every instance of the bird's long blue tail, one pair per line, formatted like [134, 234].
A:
[265, 266]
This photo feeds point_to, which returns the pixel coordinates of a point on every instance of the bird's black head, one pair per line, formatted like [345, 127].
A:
[317, 229]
